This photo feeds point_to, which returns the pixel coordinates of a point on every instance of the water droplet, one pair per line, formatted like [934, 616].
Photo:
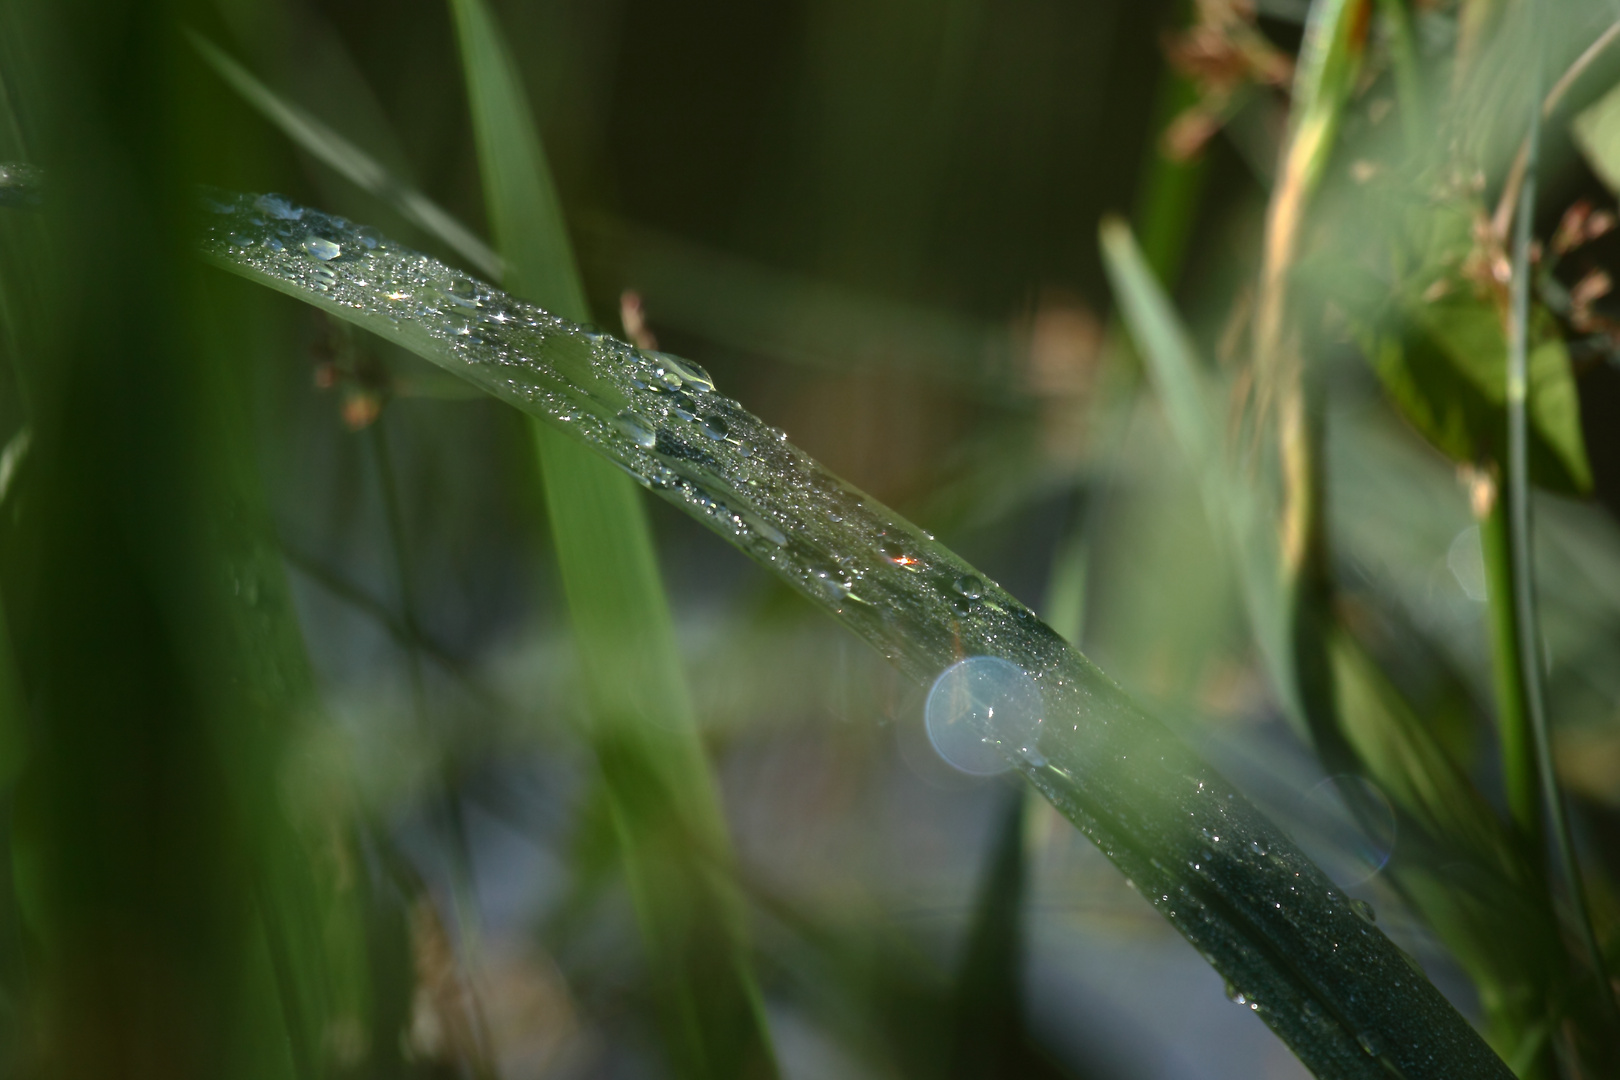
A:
[278, 207]
[970, 586]
[1370, 1044]
[1259, 848]
[462, 292]
[321, 248]
[685, 407]
[768, 531]
[978, 705]
[828, 585]
[241, 240]
[1234, 995]
[686, 371]
[1347, 827]
[1364, 909]
[636, 429]
[715, 428]
[1311, 1009]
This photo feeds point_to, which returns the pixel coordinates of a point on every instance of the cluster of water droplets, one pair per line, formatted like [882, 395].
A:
[1007, 691]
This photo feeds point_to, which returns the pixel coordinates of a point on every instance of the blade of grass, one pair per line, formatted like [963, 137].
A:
[1177, 374]
[645, 731]
[1520, 539]
[165, 665]
[348, 159]
[1339, 993]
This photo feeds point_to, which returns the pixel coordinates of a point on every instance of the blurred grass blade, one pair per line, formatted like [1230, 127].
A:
[660, 791]
[348, 159]
[1520, 540]
[1232, 507]
[1445, 818]
[989, 1026]
[1334, 988]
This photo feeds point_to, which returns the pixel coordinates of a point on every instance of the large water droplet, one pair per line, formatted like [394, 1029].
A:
[1364, 909]
[638, 430]
[768, 531]
[715, 428]
[979, 710]
[321, 248]
[1347, 827]
[278, 207]
[679, 371]
[970, 586]
[1234, 995]
[462, 292]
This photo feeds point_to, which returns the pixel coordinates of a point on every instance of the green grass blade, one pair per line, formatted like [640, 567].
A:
[349, 160]
[1177, 373]
[661, 794]
[1520, 540]
[1334, 988]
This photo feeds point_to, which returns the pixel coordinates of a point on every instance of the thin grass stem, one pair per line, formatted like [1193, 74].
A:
[1521, 538]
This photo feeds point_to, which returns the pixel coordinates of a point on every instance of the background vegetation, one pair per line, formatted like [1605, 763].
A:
[351, 724]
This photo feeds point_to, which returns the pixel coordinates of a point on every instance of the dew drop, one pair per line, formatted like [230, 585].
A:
[970, 586]
[685, 407]
[241, 240]
[321, 248]
[1364, 909]
[1234, 995]
[688, 372]
[1259, 848]
[827, 585]
[769, 531]
[979, 705]
[1370, 1044]
[636, 429]
[278, 207]
[715, 428]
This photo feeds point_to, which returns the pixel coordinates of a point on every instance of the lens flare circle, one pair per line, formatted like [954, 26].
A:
[981, 712]
[1347, 827]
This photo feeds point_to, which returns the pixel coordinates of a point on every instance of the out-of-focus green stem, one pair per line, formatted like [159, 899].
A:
[1518, 748]
[1397, 21]
[1523, 558]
